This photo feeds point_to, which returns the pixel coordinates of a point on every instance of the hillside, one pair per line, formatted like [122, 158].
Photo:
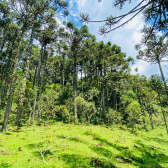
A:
[79, 146]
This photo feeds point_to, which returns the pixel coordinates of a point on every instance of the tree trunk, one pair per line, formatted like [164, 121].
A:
[81, 78]
[9, 49]
[10, 98]
[150, 117]
[114, 102]
[34, 107]
[104, 96]
[29, 113]
[103, 104]
[3, 44]
[63, 72]
[23, 85]
[34, 80]
[75, 89]
[8, 110]
[164, 117]
[13, 81]
[3, 85]
[107, 101]
[161, 71]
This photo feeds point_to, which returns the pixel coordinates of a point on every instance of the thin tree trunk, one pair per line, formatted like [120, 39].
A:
[103, 104]
[10, 98]
[151, 121]
[107, 102]
[34, 107]
[30, 77]
[75, 90]
[140, 102]
[30, 108]
[3, 44]
[104, 89]
[100, 98]
[101, 95]
[13, 81]
[23, 85]
[2, 87]
[114, 99]
[34, 80]
[8, 110]
[9, 49]
[81, 78]
[43, 71]
[164, 117]
[63, 72]
[150, 117]
[40, 66]
[97, 77]
[39, 81]
[161, 71]
[75, 109]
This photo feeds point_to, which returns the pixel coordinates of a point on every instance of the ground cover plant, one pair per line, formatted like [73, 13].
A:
[78, 146]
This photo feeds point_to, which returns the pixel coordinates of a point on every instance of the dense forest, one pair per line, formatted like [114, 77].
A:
[56, 72]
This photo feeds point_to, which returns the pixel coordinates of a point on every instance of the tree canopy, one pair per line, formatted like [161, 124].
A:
[57, 72]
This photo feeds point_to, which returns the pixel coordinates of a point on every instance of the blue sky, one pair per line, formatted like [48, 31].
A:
[126, 37]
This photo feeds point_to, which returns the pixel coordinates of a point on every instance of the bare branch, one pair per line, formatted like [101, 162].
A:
[42, 154]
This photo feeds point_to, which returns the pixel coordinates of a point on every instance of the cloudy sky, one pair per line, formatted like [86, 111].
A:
[126, 37]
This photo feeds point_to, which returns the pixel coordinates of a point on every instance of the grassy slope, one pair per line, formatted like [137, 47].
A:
[83, 146]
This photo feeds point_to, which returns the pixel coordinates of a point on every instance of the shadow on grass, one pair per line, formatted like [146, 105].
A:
[18, 129]
[39, 153]
[30, 146]
[33, 146]
[151, 157]
[74, 139]
[159, 140]
[147, 156]
[104, 141]
[5, 165]
[46, 155]
[76, 161]
[102, 151]
[8, 133]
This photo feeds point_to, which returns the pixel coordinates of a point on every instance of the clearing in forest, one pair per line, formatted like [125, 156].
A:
[79, 146]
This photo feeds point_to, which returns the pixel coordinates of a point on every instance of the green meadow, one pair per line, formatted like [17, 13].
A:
[80, 146]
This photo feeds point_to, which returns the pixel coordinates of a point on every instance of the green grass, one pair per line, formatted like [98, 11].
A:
[78, 146]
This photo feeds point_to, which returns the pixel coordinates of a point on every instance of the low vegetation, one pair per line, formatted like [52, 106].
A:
[78, 146]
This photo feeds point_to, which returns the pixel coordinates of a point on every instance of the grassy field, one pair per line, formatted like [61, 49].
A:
[77, 146]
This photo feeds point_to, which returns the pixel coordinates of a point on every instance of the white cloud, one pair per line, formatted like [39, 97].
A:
[126, 37]
[145, 68]
[73, 13]
[136, 37]
[71, 2]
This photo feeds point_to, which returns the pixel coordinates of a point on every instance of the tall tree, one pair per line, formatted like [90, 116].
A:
[155, 52]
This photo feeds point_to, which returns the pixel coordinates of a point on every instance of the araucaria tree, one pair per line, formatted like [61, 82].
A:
[27, 16]
[154, 12]
[156, 52]
[52, 72]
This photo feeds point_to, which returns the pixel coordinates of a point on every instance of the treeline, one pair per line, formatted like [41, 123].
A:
[52, 72]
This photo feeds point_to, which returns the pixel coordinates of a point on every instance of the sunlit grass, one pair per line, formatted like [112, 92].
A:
[75, 146]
